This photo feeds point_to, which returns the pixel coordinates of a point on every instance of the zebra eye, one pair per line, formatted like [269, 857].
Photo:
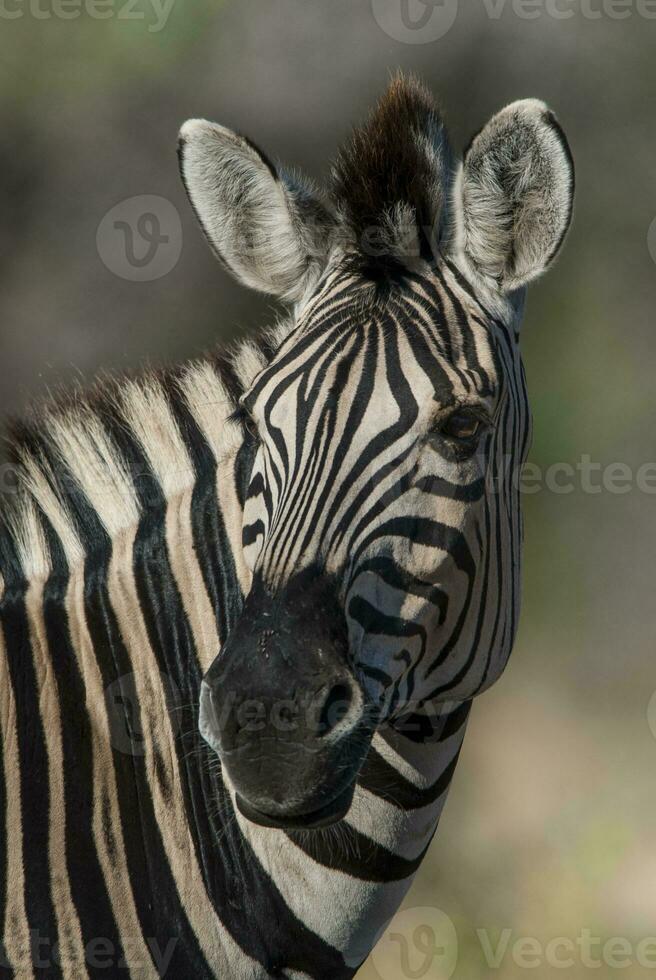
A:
[462, 425]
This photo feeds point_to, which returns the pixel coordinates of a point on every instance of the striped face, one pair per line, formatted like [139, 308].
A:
[389, 432]
[382, 522]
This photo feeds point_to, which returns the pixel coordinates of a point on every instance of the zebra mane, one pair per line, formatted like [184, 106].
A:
[105, 455]
[391, 183]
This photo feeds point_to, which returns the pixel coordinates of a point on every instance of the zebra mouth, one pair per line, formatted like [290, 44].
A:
[324, 816]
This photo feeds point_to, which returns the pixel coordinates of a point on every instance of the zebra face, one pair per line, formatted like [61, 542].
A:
[383, 430]
[384, 556]
[382, 518]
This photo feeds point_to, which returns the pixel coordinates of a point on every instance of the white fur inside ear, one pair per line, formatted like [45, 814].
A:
[513, 195]
[264, 228]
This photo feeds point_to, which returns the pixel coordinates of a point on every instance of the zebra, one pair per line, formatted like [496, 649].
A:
[246, 603]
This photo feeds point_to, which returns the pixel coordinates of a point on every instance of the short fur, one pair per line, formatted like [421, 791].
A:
[267, 226]
[144, 515]
[517, 189]
[397, 198]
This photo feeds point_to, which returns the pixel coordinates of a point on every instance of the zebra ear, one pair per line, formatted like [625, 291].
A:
[270, 230]
[515, 194]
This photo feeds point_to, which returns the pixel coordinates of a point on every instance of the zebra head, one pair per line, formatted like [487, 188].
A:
[382, 520]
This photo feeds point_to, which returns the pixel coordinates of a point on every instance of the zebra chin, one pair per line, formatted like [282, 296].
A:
[318, 819]
[283, 709]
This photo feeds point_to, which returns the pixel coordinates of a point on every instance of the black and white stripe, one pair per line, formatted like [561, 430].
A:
[148, 510]
[114, 587]
[358, 485]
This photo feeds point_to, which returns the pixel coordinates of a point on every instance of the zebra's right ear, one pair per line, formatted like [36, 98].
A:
[269, 229]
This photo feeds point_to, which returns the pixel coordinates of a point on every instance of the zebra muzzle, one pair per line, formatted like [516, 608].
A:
[284, 710]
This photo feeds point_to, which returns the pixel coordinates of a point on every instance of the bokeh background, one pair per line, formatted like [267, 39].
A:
[550, 829]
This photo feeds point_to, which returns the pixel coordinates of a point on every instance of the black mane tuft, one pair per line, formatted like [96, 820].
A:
[391, 182]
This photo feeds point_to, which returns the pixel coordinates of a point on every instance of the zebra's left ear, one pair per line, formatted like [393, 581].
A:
[514, 195]
[268, 229]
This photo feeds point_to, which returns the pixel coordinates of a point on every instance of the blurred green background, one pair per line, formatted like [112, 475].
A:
[550, 829]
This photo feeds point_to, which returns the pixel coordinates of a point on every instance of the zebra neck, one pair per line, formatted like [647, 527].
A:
[122, 573]
[345, 883]
[147, 812]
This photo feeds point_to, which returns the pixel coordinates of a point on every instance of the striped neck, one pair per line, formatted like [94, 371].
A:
[121, 576]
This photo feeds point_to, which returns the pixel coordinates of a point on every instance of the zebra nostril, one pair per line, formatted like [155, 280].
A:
[335, 708]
